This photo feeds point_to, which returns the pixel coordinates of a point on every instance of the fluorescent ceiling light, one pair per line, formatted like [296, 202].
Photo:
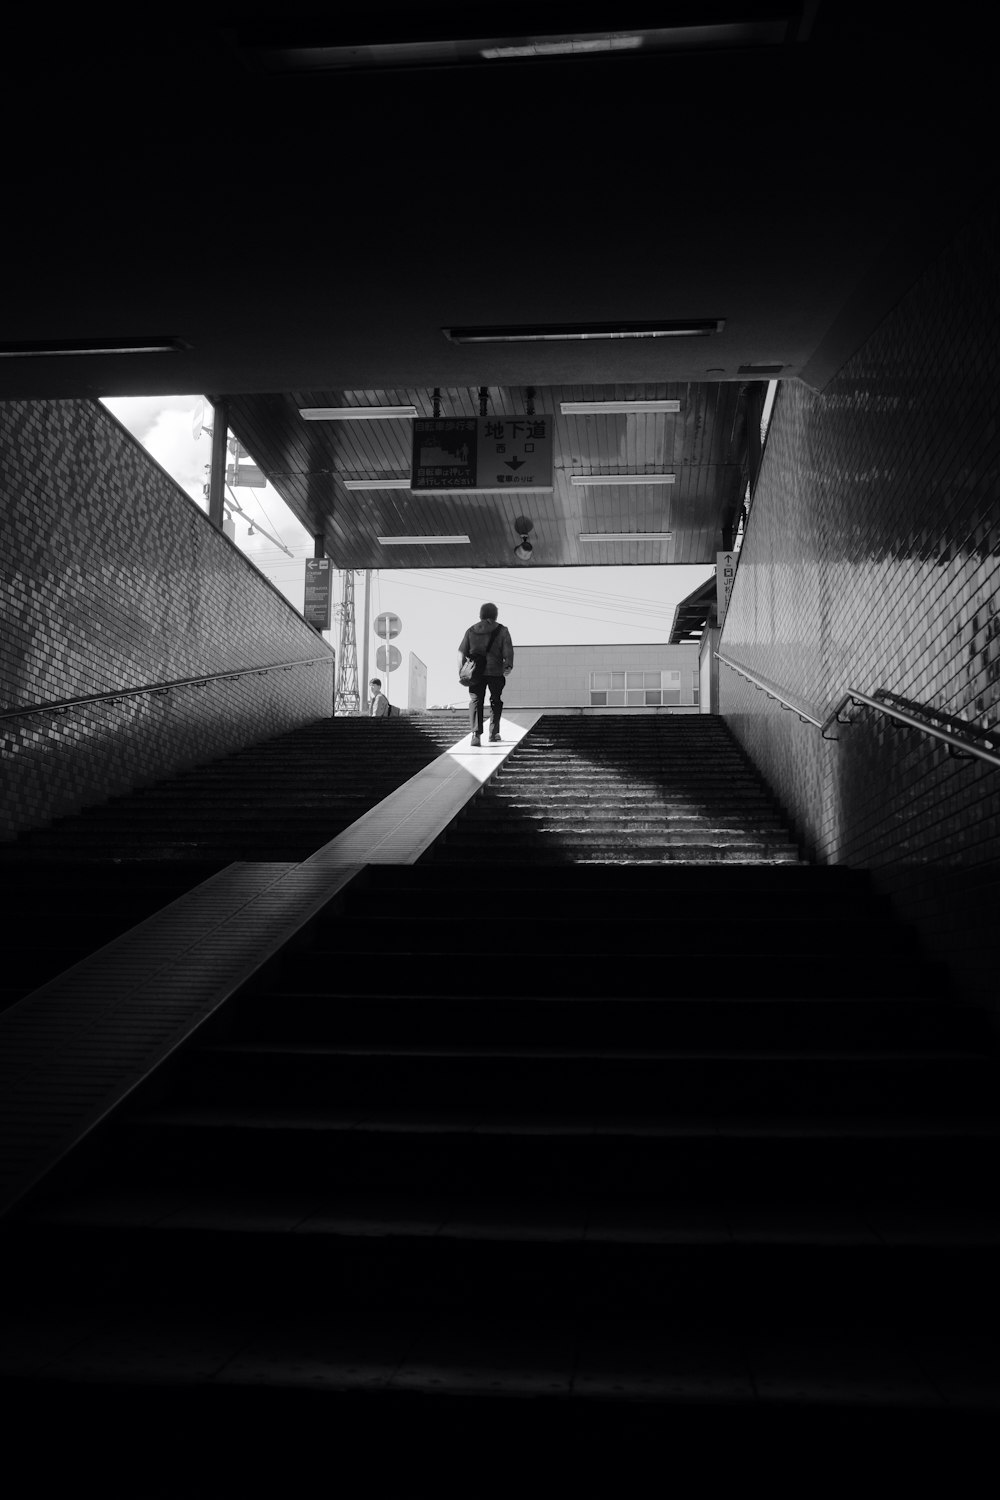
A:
[375, 41]
[59, 348]
[377, 484]
[584, 408]
[625, 536]
[610, 42]
[421, 541]
[622, 478]
[354, 413]
[515, 333]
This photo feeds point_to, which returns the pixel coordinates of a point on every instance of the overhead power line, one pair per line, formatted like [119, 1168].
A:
[596, 614]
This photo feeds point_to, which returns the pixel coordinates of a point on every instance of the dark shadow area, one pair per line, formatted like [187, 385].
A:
[69, 888]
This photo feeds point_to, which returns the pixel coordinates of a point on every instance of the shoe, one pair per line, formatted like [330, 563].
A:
[477, 739]
[495, 738]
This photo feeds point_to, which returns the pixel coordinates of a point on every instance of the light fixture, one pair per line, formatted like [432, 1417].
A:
[421, 541]
[354, 413]
[375, 41]
[376, 484]
[622, 478]
[564, 46]
[586, 408]
[625, 536]
[523, 551]
[516, 333]
[59, 348]
[250, 532]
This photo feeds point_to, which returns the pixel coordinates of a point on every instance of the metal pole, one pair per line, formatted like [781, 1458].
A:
[368, 631]
[217, 478]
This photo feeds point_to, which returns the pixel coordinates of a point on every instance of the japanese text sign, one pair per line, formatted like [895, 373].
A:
[482, 453]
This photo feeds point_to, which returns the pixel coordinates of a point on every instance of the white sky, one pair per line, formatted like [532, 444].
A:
[541, 606]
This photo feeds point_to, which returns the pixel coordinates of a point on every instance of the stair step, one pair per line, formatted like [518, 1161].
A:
[367, 1017]
[428, 971]
[795, 1086]
[709, 1133]
[589, 934]
[350, 1256]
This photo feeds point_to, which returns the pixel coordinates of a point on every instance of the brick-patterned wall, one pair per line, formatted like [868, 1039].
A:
[872, 559]
[112, 577]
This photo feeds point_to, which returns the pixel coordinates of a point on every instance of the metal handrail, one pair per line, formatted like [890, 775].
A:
[159, 689]
[959, 746]
[768, 688]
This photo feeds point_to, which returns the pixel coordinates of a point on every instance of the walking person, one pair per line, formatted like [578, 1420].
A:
[378, 704]
[489, 645]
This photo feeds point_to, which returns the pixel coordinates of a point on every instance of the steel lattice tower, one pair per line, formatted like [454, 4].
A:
[348, 699]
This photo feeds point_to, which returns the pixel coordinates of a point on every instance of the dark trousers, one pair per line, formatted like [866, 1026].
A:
[477, 697]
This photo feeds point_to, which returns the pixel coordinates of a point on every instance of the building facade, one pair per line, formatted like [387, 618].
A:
[622, 676]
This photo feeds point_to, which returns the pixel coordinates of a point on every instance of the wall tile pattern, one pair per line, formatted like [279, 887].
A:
[112, 577]
[872, 559]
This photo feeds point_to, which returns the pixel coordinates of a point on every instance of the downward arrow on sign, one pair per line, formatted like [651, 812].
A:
[515, 463]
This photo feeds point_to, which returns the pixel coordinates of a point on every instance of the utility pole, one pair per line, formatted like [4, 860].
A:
[368, 628]
[217, 479]
[347, 700]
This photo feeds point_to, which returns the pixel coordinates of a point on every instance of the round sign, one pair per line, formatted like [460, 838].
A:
[387, 625]
[395, 656]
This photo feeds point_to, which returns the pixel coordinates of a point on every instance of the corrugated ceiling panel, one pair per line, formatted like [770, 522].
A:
[303, 459]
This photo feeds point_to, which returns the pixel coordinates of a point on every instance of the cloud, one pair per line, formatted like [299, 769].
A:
[163, 425]
[140, 414]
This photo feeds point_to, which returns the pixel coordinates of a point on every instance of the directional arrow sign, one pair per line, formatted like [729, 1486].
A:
[514, 453]
[245, 476]
[452, 454]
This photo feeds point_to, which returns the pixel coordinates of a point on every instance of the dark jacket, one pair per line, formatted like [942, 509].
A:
[501, 653]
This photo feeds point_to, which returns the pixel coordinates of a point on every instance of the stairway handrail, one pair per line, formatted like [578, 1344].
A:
[769, 688]
[959, 745]
[157, 689]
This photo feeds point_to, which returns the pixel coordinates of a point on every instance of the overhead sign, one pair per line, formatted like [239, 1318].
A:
[482, 453]
[725, 571]
[245, 475]
[318, 602]
[387, 625]
[388, 663]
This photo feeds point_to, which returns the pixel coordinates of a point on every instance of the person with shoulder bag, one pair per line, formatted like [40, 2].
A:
[485, 660]
[378, 705]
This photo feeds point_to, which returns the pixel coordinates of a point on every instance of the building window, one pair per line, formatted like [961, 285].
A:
[634, 689]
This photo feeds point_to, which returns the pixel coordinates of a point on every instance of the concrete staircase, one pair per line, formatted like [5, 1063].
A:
[85, 879]
[648, 789]
[688, 1159]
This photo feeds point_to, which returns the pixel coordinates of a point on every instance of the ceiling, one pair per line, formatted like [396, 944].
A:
[307, 232]
[703, 445]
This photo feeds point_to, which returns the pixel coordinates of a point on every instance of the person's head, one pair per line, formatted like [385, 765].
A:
[488, 612]
[375, 685]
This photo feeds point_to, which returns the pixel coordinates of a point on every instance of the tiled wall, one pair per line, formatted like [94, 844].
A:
[559, 676]
[112, 577]
[872, 559]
